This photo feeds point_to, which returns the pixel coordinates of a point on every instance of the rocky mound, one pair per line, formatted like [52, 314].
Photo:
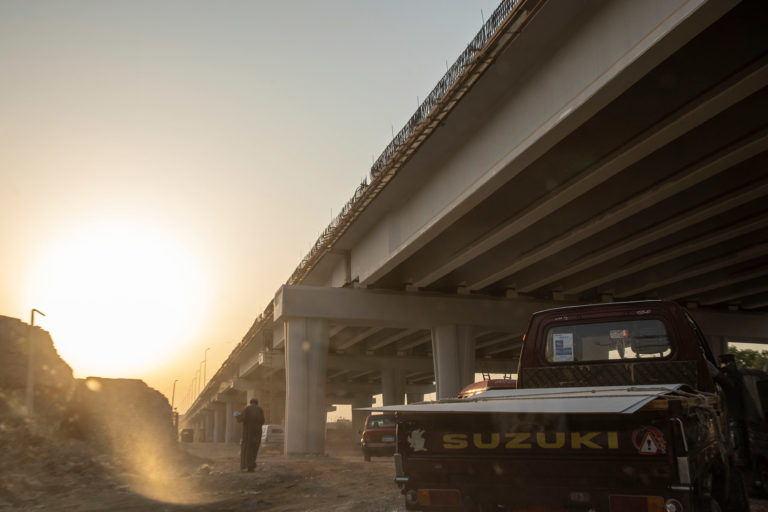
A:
[87, 434]
[53, 383]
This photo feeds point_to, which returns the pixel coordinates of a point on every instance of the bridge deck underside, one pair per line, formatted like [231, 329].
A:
[662, 193]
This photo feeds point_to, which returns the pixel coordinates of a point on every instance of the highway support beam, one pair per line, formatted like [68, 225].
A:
[359, 401]
[303, 314]
[219, 421]
[393, 386]
[231, 431]
[453, 351]
[306, 353]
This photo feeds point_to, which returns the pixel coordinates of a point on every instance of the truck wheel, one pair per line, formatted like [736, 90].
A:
[714, 506]
[731, 495]
[737, 496]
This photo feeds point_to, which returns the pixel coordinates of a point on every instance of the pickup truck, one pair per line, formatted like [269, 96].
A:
[618, 408]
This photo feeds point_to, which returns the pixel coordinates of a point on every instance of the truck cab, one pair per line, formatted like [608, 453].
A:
[649, 342]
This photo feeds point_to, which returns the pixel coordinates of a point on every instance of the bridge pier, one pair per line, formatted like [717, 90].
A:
[306, 353]
[219, 421]
[453, 352]
[231, 431]
[393, 386]
[358, 417]
[415, 397]
[208, 428]
[276, 408]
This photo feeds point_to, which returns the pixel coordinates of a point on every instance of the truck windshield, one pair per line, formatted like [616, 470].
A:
[608, 341]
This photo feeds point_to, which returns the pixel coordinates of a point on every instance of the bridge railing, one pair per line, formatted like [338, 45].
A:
[422, 115]
[443, 86]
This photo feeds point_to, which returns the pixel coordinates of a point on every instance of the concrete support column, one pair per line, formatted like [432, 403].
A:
[415, 397]
[358, 417]
[208, 426]
[393, 386]
[265, 402]
[453, 354]
[306, 354]
[219, 422]
[200, 429]
[231, 433]
[277, 408]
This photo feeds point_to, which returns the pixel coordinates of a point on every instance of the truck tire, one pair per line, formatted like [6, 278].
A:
[737, 495]
[731, 495]
[762, 475]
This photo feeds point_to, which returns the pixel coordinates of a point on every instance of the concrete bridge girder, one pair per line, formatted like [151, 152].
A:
[532, 114]
[375, 308]
[303, 314]
[450, 321]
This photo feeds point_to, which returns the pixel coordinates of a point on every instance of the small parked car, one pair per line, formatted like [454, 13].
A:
[272, 437]
[187, 435]
[378, 436]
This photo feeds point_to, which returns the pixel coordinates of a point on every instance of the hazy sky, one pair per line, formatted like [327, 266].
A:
[165, 165]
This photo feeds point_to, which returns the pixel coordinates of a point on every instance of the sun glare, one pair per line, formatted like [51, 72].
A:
[120, 299]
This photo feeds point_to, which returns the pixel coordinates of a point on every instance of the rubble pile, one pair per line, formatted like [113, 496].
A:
[122, 415]
[37, 460]
[85, 435]
[33, 452]
[53, 380]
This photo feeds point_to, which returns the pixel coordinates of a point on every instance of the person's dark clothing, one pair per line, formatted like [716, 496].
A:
[252, 419]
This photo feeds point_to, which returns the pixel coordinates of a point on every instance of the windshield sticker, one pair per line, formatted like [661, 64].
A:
[563, 345]
[416, 440]
[649, 441]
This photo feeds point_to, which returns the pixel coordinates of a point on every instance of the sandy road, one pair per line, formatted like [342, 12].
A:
[208, 478]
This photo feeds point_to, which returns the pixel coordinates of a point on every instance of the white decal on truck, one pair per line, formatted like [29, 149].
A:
[416, 440]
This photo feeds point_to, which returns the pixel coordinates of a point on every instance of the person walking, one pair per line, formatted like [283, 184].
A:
[252, 419]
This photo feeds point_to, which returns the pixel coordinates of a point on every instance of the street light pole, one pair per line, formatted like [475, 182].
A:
[31, 364]
[173, 393]
[205, 364]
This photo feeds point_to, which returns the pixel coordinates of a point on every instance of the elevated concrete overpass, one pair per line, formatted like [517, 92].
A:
[576, 152]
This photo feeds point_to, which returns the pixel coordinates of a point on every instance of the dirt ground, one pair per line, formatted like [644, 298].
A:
[207, 478]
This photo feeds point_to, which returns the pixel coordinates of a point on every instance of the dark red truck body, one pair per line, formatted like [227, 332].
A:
[559, 443]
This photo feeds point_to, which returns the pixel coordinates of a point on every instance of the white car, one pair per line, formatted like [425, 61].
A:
[272, 437]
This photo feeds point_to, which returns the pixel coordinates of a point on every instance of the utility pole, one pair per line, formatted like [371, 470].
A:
[173, 393]
[31, 364]
[205, 364]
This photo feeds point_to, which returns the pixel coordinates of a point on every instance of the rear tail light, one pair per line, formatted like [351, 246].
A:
[636, 504]
[439, 497]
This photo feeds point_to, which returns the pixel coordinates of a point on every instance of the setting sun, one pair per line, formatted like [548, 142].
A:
[120, 298]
